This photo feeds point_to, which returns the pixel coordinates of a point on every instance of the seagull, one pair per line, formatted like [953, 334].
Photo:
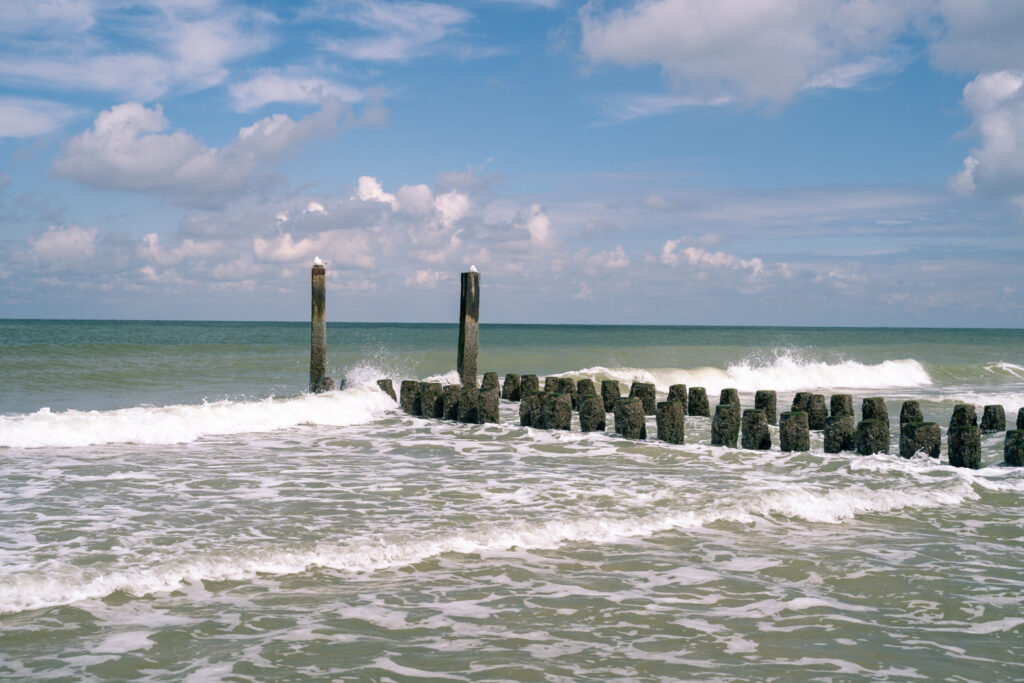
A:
[317, 261]
[473, 269]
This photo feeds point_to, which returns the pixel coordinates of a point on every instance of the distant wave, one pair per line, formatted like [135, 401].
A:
[64, 585]
[185, 423]
[785, 373]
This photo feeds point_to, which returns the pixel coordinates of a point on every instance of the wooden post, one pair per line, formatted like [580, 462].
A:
[318, 332]
[469, 328]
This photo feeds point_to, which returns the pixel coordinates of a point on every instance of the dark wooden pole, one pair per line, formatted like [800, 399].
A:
[469, 328]
[318, 331]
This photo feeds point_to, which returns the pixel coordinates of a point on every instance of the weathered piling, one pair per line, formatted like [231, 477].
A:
[768, 401]
[964, 415]
[450, 395]
[510, 390]
[756, 435]
[872, 436]
[561, 385]
[725, 426]
[1020, 419]
[490, 381]
[840, 434]
[555, 411]
[817, 412]
[963, 440]
[1013, 449]
[592, 414]
[469, 403]
[920, 436]
[671, 421]
[645, 392]
[528, 386]
[965, 447]
[487, 406]
[729, 396]
[469, 328]
[386, 386]
[800, 402]
[697, 402]
[431, 399]
[910, 413]
[410, 396]
[318, 381]
[993, 419]
[794, 434]
[610, 391]
[629, 418]
[840, 405]
[874, 409]
[584, 387]
[528, 407]
[677, 392]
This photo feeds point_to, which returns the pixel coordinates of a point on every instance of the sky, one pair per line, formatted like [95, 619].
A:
[726, 162]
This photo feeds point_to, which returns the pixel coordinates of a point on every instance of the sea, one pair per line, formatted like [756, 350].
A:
[174, 506]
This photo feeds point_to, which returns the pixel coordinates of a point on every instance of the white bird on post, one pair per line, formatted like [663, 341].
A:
[473, 269]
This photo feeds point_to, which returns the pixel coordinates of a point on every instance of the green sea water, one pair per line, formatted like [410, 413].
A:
[173, 505]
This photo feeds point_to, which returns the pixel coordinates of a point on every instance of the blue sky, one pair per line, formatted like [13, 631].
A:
[769, 162]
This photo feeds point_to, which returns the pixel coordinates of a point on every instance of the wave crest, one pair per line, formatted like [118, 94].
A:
[186, 423]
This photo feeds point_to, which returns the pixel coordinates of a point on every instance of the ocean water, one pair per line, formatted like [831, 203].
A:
[173, 506]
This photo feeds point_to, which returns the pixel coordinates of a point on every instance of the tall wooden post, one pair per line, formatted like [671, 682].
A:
[469, 327]
[318, 332]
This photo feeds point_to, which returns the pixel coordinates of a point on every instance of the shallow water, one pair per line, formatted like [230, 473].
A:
[270, 534]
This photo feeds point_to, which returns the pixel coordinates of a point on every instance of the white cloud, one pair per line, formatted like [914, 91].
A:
[272, 85]
[404, 30]
[342, 247]
[127, 148]
[369, 189]
[603, 260]
[316, 207]
[151, 250]
[62, 247]
[451, 207]
[751, 49]
[79, 45]
[426, 279]
[539, 226]
[996, 167]
[701, 257]
[22, 117]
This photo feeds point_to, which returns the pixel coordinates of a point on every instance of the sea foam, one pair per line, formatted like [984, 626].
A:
[785, 374]
[185, 423]
[66, 584]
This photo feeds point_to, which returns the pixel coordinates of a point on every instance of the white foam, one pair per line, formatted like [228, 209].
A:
[784, 374]
[186, 423]
[67, 584]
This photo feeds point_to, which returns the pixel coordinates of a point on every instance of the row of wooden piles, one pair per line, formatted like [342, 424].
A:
[552, 407]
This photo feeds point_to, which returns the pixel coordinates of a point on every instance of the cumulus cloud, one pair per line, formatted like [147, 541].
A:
[996, 166]
[62, 247]
[128, 148]
[426, 279]
[701, 257]
[602, 260]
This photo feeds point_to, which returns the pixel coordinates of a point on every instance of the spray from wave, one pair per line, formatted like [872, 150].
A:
[786, 373]
[177, 424]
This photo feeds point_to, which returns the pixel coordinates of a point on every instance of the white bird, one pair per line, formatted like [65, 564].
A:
[473, 269]
[317, 261]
